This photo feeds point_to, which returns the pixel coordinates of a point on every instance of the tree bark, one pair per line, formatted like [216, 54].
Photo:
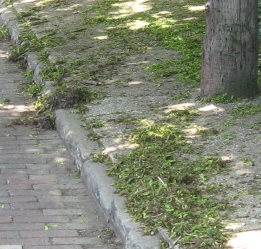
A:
[230, 53]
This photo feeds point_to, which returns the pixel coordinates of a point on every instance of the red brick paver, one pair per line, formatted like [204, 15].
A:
[43, 204]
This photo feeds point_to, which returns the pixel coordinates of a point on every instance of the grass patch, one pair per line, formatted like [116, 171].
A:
[126, 119]
[208, 132]
[164, 182]
[221, 99]
[186, 38]
[33, 89]
[127, 32]
[63, 96]
[246, 109]
[181, 96]
[172, 26]
[4, 33]
[6, 101]
[164, 187]
[30, 42]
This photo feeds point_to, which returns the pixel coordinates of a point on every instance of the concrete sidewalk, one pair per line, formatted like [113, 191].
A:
[43, 202]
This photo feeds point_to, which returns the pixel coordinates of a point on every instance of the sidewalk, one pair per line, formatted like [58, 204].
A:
[77, 140]
[43, 203]
[100, 59]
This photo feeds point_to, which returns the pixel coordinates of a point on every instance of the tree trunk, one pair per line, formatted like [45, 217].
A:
[230, 54]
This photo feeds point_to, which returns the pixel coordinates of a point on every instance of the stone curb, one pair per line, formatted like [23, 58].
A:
[94, 174]
[80, 148]
[9, 18]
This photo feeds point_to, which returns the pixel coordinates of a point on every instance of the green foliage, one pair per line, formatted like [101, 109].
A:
[4, 34]
[179, 29]
[163, 186]
[33, 89]
[43, 55]
[181, 96]
[221, 99]
[63, 96]
[30, 42]
[126, 119]
[47, 227]
[53, 72]
[208, 132]
[6, 101]
[246, 109]
[185, 37]
[8, 2]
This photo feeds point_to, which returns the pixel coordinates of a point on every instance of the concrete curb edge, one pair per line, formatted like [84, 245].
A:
[94, 175]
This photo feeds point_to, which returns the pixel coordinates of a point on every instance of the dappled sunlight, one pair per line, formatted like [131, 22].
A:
[147, 122]
[3, 54]
[17, 108]
[137, 24]
[246, 240]
[119, 147]
[70, 8]
[135, 82]
[60, 160]
[189, 19]
[228, 158]
[165, 22]
[196, 8]
[129, 8]
[135, 51]
[191, 131]
[162, 14]
[234, 225]
[211, 108]
[138, 63]
[44, 2]
[40, 4]
[164, 19]
[176, 107]
[28, 1]
[101, 37]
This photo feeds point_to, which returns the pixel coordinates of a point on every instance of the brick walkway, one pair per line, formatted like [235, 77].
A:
[42, 203]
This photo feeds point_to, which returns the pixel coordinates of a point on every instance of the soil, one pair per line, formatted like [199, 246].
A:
[133, 91]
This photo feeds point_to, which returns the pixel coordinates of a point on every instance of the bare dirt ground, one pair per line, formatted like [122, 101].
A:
[133, 91]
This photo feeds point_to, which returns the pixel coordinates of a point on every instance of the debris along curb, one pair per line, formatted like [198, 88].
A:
[81, 147]
[94, 174]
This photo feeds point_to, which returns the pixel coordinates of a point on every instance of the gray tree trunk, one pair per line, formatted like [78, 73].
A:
[230, 54]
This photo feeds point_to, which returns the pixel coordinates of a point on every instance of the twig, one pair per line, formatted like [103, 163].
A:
[165, 236]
